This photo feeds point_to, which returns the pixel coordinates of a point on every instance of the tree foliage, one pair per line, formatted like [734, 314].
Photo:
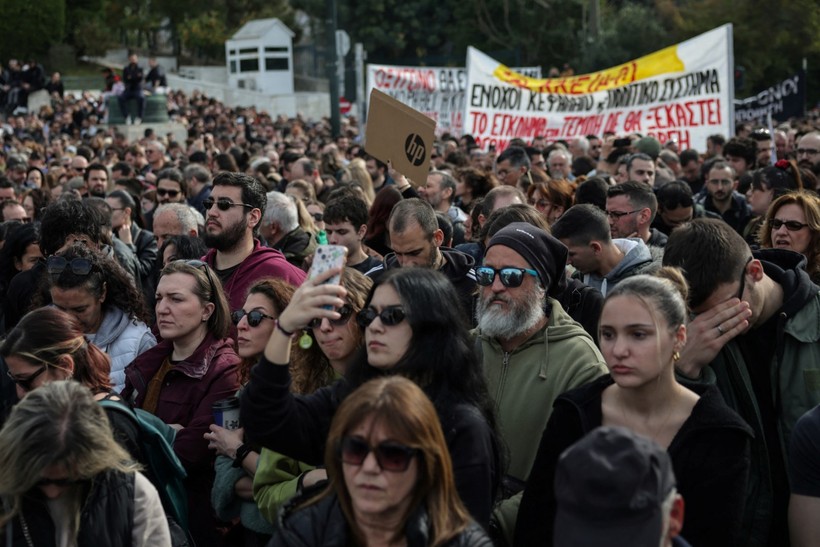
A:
[29, 28]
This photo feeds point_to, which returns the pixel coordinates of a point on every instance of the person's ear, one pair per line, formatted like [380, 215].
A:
[438, 237]
[755, 269]
[207, 311]
[596, 247]
[104, 292]
[676, 517]
[66, 362]
[362, 231]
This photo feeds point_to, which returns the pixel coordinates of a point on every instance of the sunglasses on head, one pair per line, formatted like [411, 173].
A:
[26, 383]
[391, 456]
[510, 277]
[255, 317]
[200, 265]
[77, 266]
[390, 316]
[344, 312]
[223, 204]
[169, 193]
[791, 225]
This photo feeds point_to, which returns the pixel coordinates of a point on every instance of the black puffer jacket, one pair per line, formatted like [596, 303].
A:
[324, 524]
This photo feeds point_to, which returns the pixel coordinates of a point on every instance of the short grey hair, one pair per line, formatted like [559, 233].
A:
[560, 152]
[281, 210]
[196, 171]
[186, 216]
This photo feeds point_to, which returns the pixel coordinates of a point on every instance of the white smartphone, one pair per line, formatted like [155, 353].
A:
[328, 257]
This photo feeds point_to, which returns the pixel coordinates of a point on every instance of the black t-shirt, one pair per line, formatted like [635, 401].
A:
[366, 265]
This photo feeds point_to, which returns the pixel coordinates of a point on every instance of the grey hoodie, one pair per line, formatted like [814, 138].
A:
[637, 260]
[122, 338]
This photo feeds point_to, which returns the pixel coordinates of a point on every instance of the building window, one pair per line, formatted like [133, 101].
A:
[277, 63]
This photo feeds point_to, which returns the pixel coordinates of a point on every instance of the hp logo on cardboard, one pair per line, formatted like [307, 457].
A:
[414, 149]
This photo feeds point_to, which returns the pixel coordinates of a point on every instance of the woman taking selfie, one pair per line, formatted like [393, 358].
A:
[391, 478]
[181, 378]
[65, 481]
[642, 332]
[411, 329]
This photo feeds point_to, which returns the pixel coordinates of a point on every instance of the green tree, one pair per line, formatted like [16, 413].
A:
[29, 28]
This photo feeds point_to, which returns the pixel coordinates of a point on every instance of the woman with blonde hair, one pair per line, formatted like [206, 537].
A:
[360, 176]
[793, 222]
[64, 480]
[642, 332]
[391, 477]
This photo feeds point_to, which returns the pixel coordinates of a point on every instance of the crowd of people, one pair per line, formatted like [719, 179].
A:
[522, 347]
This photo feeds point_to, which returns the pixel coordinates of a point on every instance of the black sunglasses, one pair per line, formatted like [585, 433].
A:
[510, 277]
[344, 312]
[223, 204]
[169, 193]
[255, 317]
[791, 225]
[390, 316]
[390, 455]
[78, 266]
[26, 383]
[318, 217]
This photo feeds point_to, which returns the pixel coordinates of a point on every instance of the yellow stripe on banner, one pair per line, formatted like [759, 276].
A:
[654, 64]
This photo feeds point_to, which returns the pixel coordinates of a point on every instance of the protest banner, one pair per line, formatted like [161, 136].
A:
[437, 92]
[783, 100]
[683, 92]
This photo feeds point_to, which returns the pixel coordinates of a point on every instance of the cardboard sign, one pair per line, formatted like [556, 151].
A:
[401, 135]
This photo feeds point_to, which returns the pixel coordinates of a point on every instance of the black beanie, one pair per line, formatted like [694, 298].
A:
[545, 254]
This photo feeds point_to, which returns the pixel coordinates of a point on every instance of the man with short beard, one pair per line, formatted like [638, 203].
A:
[808, 152]
[531, 350]
[232, 215]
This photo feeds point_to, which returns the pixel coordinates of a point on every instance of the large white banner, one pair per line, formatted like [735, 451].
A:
[437, 92]
[683, 92]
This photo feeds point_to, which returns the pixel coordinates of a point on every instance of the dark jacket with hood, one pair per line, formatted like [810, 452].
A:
[262, 262]
[710, 457]
[458, 267]
[324, 524]
[793, 378]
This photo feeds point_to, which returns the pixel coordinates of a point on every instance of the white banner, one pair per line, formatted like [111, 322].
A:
[682, 92]
[437, 92]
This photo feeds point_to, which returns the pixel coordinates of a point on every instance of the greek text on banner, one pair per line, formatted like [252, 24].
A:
[681, 92]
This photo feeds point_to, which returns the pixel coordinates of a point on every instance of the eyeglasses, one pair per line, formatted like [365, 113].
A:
[510, 277]
[254, 317]
[390, 316]
[391, 456]
[26, 383]
[170, 193]
[541, 203]
[807, 152]
[743, 279]
[617, 215]
[344, 312]
[791, 225]
[78, 266]
[318, 217]
[223, 204]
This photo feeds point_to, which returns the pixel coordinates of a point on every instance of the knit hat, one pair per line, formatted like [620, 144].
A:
[609, 488]
[649, 146]
[545, 254]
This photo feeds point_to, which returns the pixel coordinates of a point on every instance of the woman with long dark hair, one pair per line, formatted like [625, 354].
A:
[411, 329]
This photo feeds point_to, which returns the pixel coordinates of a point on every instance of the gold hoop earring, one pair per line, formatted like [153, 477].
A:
[676, 356]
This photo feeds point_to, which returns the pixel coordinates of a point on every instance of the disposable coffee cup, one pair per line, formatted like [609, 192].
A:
[226, 413]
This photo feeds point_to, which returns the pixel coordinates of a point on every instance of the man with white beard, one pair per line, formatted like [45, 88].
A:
[531, 350]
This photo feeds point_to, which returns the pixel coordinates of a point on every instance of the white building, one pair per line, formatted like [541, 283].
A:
[259, 57]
